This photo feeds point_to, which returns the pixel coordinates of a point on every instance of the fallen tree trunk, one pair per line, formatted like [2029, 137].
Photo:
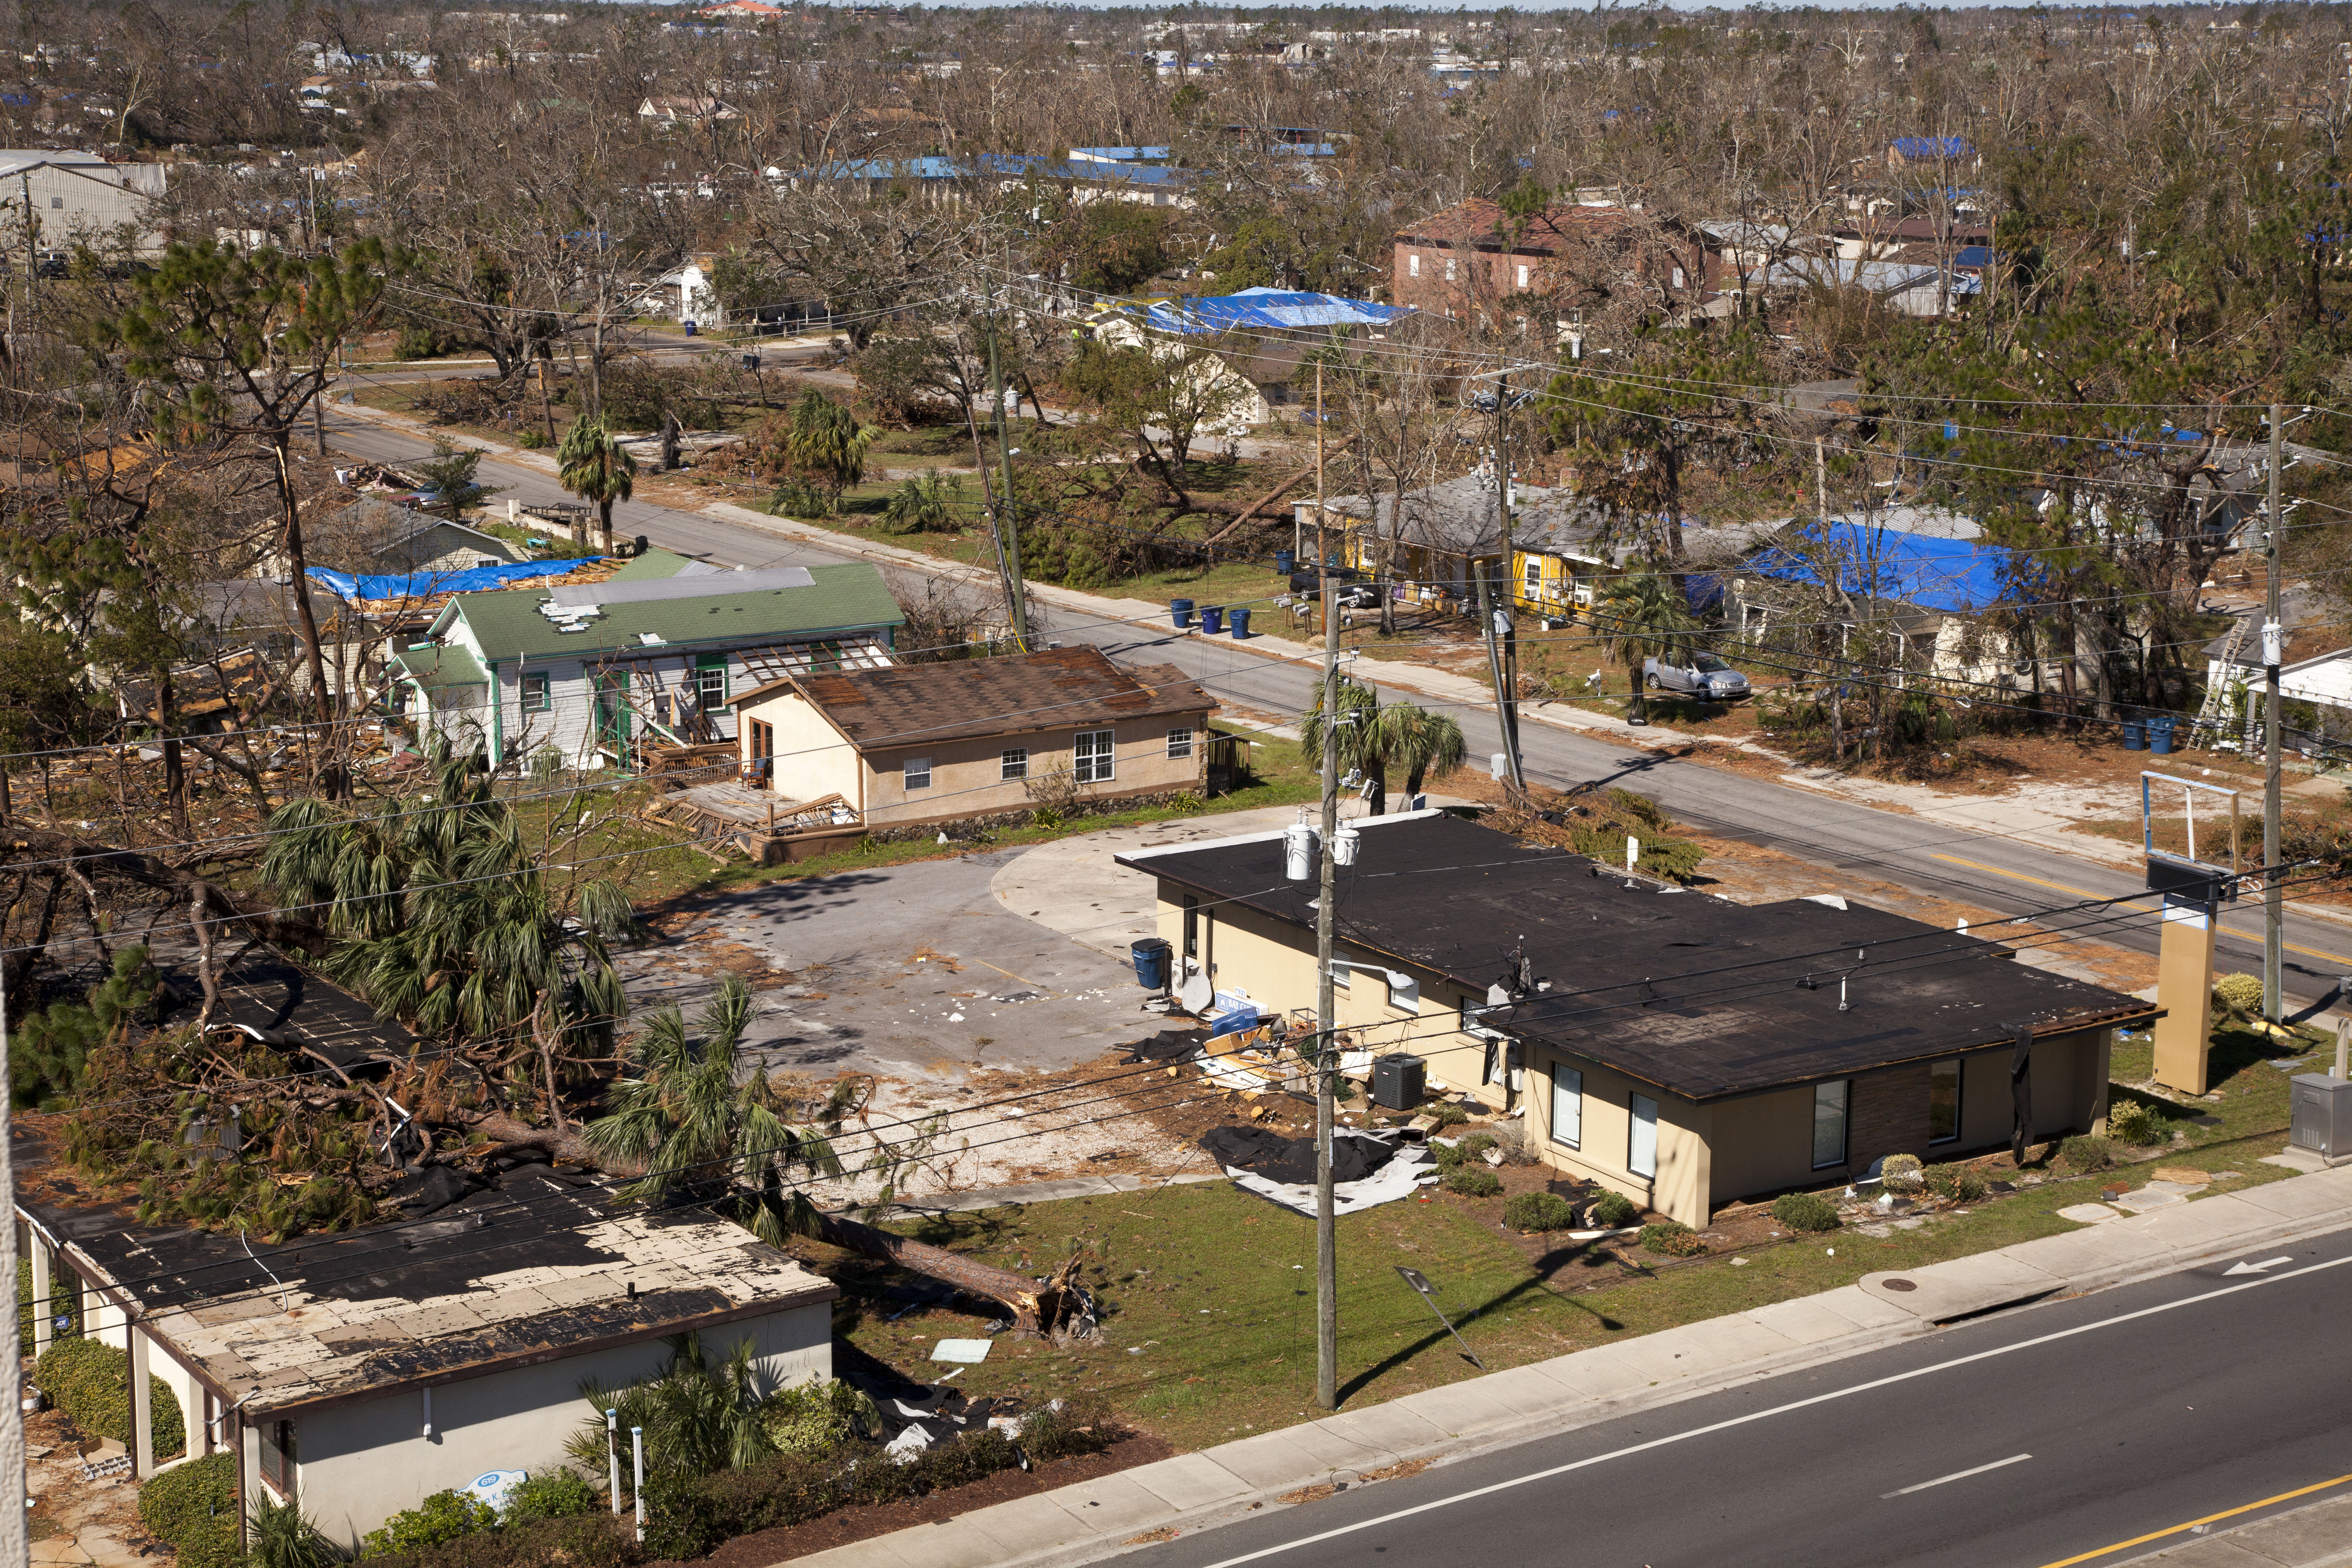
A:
[149, 871]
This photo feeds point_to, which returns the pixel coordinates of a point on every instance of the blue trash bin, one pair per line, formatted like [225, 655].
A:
[2135, 734]
[1152, 955]
[1285, 561]
[1240, 619]
[1212, 619]
[2160, 733]
[690, 328]
[1181, 612]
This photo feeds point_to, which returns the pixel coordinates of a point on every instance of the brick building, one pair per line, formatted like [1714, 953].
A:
[1473, 260]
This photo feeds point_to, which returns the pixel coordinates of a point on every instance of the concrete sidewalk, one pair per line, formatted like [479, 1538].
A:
[2318, 1535]
[1082, 1523]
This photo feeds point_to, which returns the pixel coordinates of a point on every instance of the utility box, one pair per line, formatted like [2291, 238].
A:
[2321, 1119]
[1399, 1081]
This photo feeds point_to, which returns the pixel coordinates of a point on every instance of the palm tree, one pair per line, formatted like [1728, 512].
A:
[596, 467]
[699, 1415]
[686, 1117]
[441, 915]
[1431, 743]
[923, 503]
[1373, 739]
[1645, 616]
[825, 439]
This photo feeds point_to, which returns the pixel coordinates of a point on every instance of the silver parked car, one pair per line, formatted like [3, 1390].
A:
[1701, 675]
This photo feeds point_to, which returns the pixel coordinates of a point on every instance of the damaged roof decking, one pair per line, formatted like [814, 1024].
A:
[536, 1269]
[1699, 996]
[536, 1266]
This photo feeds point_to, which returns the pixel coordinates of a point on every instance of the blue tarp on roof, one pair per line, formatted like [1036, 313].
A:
[1933, 147]
[1961, 576]
[1267, 309]
[425, 584]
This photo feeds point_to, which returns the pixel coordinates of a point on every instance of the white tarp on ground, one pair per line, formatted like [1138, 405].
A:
[1407, 1170]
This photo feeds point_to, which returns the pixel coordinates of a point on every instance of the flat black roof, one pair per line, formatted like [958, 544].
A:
[1691, 992]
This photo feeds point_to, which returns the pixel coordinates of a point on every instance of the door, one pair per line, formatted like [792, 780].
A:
[615, 722]
[1641, 1137]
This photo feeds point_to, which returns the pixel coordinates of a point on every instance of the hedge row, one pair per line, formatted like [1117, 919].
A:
[194, 1507]
[89, 1380]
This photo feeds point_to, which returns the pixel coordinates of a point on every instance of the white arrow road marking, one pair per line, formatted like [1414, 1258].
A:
[2254, 1268]
[1954, 1476]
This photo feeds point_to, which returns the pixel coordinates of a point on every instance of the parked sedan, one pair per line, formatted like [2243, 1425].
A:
[1701, 675]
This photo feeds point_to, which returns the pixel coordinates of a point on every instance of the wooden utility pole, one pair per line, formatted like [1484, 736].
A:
[1322, 546]
[15, 1547]
[1008, 526]
[2273, 651]
[1504, 670]
[1836, 588]
[1327, 1038]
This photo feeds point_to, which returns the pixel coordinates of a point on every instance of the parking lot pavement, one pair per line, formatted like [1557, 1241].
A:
[912, 972]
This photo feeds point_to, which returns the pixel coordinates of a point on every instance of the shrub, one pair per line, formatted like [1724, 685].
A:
[1805, 1211]
[2085, 1153]
[2140, 1125]
[283, 1538]
[1473, 1181]
[682, 1518]
[1964, 1183]
[2239, 996]
[90, 1381]
[589, 1541]
[1900, 1171]
[550, 1494]
[1474, 1147]
[1537, 1211]
[64, 1302]
[810, 1419]
[181, 1503]
[1448, 1114]
[1615, 1210]
[1673, 1240]
[438, 1519]
[531, 438]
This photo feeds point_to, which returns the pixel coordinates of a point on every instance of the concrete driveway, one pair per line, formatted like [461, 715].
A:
[912, 972]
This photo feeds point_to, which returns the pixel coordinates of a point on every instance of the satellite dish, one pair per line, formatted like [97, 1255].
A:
[1196, 993]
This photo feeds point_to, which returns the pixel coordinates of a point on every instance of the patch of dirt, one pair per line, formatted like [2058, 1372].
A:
[853, 1524]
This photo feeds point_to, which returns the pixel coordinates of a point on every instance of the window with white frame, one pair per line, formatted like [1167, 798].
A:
[1093, 756]
[1567, 1105]
[917, 773]
[1014, 763]
[1413, 265]
[1829, 1123]
[1523, 274]
[1449, 269]
[1180, 744]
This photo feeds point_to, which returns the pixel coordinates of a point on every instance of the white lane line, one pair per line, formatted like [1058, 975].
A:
[1725, 1425]
[1954, 1476]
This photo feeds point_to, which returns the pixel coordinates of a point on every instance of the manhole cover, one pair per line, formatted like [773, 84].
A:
[1900, 1284]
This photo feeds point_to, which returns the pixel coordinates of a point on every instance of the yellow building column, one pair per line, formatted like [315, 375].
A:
[2184, 989]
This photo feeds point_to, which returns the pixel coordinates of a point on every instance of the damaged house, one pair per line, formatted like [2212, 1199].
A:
[1674, 1046]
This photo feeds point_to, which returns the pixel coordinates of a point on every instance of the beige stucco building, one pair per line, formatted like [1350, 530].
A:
[1672, 1046]
[936, 743]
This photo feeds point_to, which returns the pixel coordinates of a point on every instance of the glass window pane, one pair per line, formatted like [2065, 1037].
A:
[1943, 1101]
[1567, 1105]
[1829, 1123]
[1642, 1145]
[919, 773]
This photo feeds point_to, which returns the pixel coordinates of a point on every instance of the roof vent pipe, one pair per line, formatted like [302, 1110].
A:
[1842, 1002]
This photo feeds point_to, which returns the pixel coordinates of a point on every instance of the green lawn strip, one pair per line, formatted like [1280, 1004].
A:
[1216, 1287]
[1214, 1291]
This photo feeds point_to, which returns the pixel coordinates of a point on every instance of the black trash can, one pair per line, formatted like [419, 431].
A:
[1151, 959]
[1399, 1081]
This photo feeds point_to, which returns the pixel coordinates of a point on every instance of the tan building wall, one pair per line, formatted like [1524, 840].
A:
[356, 1464]
[968, 775]
[1683, 1180]
[812, 757]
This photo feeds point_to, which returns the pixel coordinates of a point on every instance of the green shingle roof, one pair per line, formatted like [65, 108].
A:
[507, 624]
[433, 667]
[654, 563]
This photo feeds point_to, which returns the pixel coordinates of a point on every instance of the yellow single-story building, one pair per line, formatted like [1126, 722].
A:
[940, 742]
[1672, 1046]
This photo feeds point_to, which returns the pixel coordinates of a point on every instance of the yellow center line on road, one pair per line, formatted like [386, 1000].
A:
[2136, 905]
[2191, 1524]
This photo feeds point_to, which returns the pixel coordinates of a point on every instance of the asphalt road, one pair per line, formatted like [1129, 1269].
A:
[2087, 1424]
[2009, 875]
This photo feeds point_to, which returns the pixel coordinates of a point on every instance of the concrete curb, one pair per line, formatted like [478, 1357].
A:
[1095, 1519]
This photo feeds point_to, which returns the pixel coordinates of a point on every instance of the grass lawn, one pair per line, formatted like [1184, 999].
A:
[1208, 1293]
